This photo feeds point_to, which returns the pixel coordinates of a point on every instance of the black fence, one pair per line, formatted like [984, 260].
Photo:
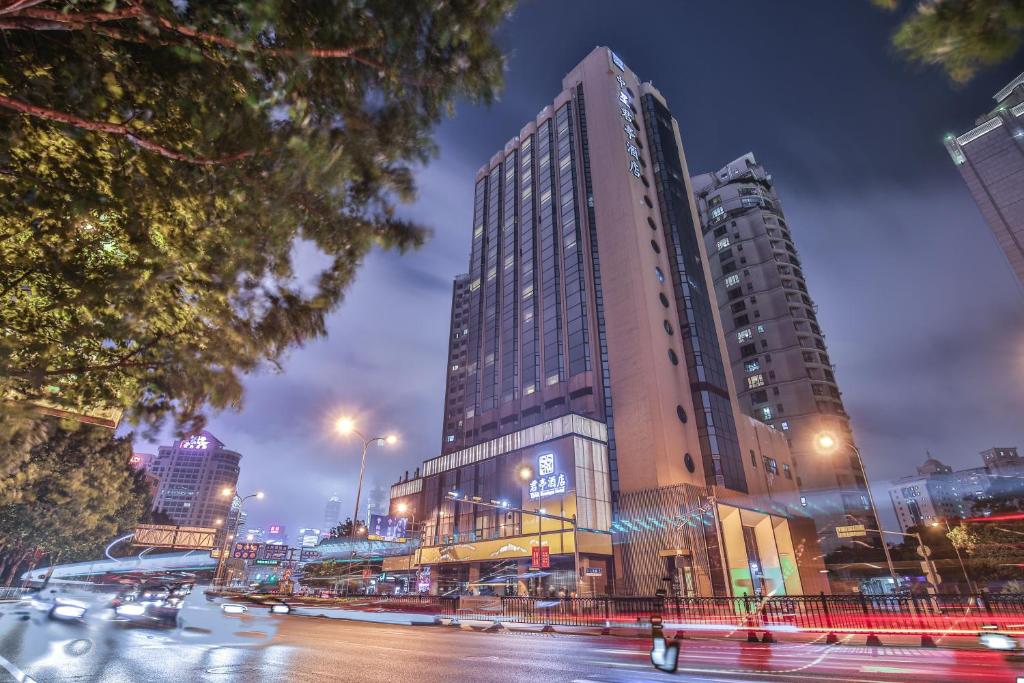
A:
[950, 614]
[825, 613]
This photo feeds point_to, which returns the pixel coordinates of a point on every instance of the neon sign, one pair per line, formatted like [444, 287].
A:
[624, 109]
[196, 442]
[548, 483]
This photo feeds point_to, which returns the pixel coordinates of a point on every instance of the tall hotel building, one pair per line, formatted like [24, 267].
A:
[777, 351]
[990, 158]
[586, 377]
[193, 473]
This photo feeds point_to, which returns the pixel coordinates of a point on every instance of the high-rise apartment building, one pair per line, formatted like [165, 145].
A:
[587, 378]
[193, 474]
[332, 512]
[990, 158]
[779, 362]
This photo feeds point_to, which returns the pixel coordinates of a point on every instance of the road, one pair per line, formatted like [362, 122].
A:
[211, 646]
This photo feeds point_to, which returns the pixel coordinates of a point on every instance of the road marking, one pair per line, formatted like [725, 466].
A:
[876, 669]
[19, 675]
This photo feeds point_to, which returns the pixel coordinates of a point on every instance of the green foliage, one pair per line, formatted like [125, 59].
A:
[961, 36]
[160, 164]
[344, 530]
[78, 492]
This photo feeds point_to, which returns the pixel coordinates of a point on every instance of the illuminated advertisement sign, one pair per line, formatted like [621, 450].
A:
[275, 552]
[548, 481]
[196, 442]
[387, 528]
[617, 61]
[275, 529]
[246, 551]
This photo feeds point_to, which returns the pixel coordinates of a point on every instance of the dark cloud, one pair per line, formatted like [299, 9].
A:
[924, 320]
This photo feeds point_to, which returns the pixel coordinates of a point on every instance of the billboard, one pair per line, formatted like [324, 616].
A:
[246, 551]
[168, 536]
[386, 528]
[273, 551]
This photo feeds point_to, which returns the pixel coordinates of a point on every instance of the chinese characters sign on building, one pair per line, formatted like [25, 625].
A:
[196, 442]
[626, 109]
[540, 558]
[548, 482]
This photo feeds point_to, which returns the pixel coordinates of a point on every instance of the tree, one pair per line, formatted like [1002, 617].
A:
[79, 493]
[344, 530]
[164, 165]
[961, 36]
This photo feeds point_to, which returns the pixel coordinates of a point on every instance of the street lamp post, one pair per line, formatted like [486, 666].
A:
[346, 426]
[222, 560]
[827, 443]
[963, 567]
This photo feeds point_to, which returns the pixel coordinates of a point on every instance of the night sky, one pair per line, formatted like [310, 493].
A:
[922, 316]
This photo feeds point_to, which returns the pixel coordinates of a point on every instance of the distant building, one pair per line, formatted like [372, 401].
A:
[276, 535]
[332, 512]
[309, 537]
[938, 492]
[193, 474]
[990, 158]
[141, 461]
[254, 535]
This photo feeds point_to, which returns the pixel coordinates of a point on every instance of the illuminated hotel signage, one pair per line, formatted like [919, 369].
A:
[196, 442]
[548, 482]
[632, 152]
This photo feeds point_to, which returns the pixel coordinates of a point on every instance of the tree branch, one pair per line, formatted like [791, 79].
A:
[116, 129]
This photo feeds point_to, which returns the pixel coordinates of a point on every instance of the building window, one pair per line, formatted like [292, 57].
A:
[753, 459]
[755, 381]
[673, 357]
[668, 327]
[681, 414]
[688, 461]
[658, 274]
[722, 243]
[766, 413]
[732, 280]
[650, 222]
[655, 247]
[760, 329]
[717, 213]
[786, 471]
[744, 335]
[663, 299]
[450, 438]
[770, 465]
[752, 366]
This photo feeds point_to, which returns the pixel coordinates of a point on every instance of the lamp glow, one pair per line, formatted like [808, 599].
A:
[345, 425]
[825, 442]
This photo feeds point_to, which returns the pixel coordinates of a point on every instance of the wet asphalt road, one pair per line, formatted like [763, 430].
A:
[210, 646]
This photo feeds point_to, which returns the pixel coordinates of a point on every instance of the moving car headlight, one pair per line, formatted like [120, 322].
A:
[232, 608]
[280, 609]
[130, 610]
[68, 612]
[997, 641]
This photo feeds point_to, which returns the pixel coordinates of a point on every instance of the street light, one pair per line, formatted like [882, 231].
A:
[827, 444]
[525, 473]
[963, 567]
[346, 426]
[222, 560]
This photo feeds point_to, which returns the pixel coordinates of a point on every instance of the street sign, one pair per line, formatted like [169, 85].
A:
[169, 536]
[308, 555]
[924, 551]
[387, 528]
[593, 571]
[852, 531]
[271, 563]
[246, 551]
